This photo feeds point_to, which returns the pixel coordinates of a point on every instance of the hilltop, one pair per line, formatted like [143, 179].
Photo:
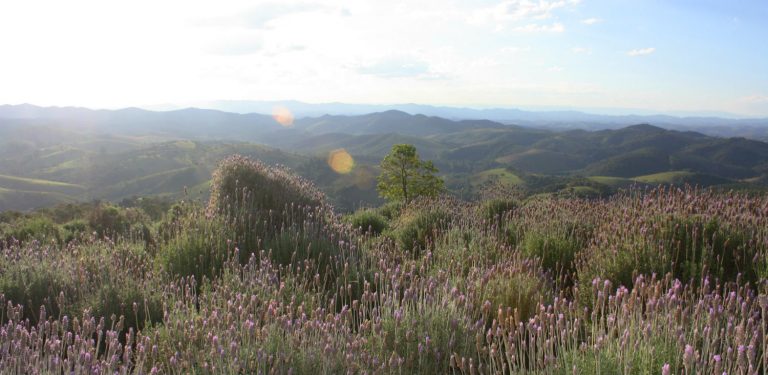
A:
[52, 155]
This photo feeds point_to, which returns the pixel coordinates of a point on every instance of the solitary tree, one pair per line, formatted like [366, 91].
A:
[404, 176]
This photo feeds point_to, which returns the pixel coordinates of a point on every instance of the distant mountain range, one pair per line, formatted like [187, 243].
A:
[247, 118]
[50, 155]
[716, 123]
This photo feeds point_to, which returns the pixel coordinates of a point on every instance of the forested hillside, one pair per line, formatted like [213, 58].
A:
[52, 155]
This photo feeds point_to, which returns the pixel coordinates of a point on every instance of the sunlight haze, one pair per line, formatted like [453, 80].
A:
[665, 56]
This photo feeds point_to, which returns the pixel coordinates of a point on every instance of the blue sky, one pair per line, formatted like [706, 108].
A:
[665, 56]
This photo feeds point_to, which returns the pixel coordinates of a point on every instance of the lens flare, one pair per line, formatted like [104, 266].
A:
[341, 161]
[283, 116]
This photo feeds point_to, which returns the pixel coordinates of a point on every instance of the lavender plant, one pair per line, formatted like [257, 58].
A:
[668, 281]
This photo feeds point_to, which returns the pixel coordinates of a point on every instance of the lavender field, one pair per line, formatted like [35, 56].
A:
[267, 279]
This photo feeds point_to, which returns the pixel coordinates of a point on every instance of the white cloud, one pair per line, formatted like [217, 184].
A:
[641, 51]
[539, 28]
[581, 50]
[434, 51]
[515, 49]
[755, 99]
[396, 67]
[234, 44]
[262, 14]
[513, 11]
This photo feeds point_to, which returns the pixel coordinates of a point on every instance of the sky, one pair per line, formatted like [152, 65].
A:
[692, 56]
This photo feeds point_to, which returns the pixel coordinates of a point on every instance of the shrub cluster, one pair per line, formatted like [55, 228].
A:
[265, 278]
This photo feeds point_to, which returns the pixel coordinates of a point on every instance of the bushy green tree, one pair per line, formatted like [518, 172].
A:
[405, 176]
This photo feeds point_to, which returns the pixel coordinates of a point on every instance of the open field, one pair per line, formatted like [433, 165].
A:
[266, 277]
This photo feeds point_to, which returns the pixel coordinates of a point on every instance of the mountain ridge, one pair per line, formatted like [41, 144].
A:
[118, 154]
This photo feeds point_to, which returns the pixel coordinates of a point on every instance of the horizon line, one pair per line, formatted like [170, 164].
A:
[595, 111]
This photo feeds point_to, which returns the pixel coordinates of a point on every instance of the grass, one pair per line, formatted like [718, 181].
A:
[21, 193]
[501, 175]
[23, 200]
[160, 183]
[611, 181]
[368, 220]
[266, 278]
[23, 183]
[665, 177]
[67, 165]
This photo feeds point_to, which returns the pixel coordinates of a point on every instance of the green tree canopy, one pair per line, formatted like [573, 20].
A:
[404, 176]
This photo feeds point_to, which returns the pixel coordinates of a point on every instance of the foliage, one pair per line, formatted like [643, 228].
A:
[497, 209]
[154, 207]
[514, 284]
[297, 246]
[684, 233]
[417, 229]
[108, 220]
[404, 176]
[35, 277]
[74, 229]
[656, 280]
[197, 246]
[556, 244]
[368, 220]
[391, 210]
[242, 186]
[29, 228]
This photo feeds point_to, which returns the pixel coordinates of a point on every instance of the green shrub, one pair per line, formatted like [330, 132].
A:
[461, 249]
[36, 227]
[511, 234]
[135, 300]
[74, 229]
[496, 210]
[368, 221]
[701, 245]
[36, 279]
[121, 275]
[419, 228]
[555, 246]
[108, 220]
[198, 246]
[294, 246]
[645, 359]
[516, 284]
[688, 247]
[242, 187]
[424, 336]
[391, 210]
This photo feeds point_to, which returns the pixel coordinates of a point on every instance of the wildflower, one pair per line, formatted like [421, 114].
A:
[688, 357]
[718, 363]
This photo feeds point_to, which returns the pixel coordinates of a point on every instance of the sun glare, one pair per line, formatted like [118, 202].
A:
[283, 116]
[341, 161]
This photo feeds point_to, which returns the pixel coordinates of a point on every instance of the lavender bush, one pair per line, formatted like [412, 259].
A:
[667, 280]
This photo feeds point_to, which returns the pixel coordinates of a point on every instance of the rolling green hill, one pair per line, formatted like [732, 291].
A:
[682, 177]
[23, 200]
[500, 175]
[64, 154]
[32, 184]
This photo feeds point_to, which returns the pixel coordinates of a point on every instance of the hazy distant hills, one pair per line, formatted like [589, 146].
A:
[711, 123]
[50, 155]
[183, 123]
[391, 122]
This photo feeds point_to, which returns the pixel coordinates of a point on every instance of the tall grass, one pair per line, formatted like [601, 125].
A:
[646, 282]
